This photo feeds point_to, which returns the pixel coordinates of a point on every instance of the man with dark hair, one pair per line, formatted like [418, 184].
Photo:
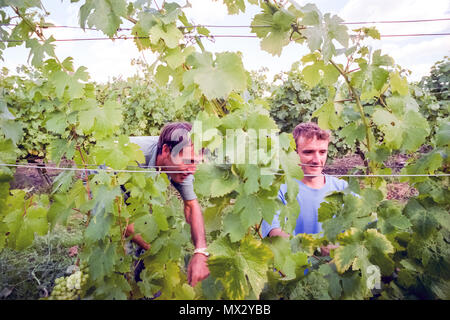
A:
[173, 151]
[312, 148]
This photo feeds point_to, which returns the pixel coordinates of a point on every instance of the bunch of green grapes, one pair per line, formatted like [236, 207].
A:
[71, 287]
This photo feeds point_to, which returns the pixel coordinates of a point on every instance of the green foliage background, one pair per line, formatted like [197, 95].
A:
[402, 246]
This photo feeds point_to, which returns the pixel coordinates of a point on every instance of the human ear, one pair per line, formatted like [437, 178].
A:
[165, 149]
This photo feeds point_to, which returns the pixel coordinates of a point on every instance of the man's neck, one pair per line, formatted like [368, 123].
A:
[314, 182]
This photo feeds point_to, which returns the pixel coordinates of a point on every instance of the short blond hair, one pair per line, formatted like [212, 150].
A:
[310, 130]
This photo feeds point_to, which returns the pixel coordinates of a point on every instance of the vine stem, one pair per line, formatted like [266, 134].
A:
[257, 229]
[86, 180]
[29, 205]
[358, 103]
[122, 231]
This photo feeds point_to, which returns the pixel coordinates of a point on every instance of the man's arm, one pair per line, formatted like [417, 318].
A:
[194, 217]
[277, 232]
[274, 228]
[136, 238]
[198, 267]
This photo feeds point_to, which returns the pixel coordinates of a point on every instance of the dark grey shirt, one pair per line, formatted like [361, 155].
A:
[149, 146]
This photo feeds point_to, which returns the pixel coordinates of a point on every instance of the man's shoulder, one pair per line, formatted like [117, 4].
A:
[143, 141]
[148, 145]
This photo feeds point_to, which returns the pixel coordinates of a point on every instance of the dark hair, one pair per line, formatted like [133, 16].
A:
[310, 130]
[172, 134]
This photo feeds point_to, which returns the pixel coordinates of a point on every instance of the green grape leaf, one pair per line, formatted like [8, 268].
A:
[60, 209]
[346, 256]
[118, 154]
[443, 135]
[311, 74]
[213, 215]
[312, 15]
[277, 28]
[101, 260]
[390, 218]
[172, 12]
[422, 218]
[174, 58]
[398, 84]
[11, 130]
[141, 38]
[212, 181]
[102, 121]
[438, 192]
[372, 32]
[253, 208]
[314, 38]
[64, 82]
[184, 292]
[236, 6]
[114, 287]
[56, 122]
[327, 117]
[169, 33]
[160, 218]
[285, 260]
[353, 132]
[257, 122]
[59, 148]
[407, 132]
[217, 79]
[336, 30]
[312, 287]
[251, 176]
[379, 77]
[102, 207]
[330, 75]
[147, 226]
[23, 219]
[162, 75]
[234, 263]
[105, 15]
[38, 50]
[290, 211]
[427, 164]
[356, 211]
[232, 225]
[376, 240]
[7, 155]
[63, 181]
[381, 60]
[275, 42]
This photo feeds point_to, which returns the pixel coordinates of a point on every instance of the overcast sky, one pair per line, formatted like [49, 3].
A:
[108, 59]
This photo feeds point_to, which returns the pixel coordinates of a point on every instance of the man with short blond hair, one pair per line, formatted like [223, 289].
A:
[312, 148]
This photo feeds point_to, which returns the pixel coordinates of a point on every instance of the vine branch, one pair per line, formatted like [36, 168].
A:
[358, 103]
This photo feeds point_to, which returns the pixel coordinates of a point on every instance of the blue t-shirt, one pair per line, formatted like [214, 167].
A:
[309, 200]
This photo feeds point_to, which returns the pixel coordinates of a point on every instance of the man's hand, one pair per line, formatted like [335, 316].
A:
[197, 269]
[325, 250]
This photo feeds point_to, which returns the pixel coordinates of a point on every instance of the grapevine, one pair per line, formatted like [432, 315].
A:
[368, 101]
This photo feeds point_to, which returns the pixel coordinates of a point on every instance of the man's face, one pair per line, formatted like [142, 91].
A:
[185, 161]
[313, 154]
